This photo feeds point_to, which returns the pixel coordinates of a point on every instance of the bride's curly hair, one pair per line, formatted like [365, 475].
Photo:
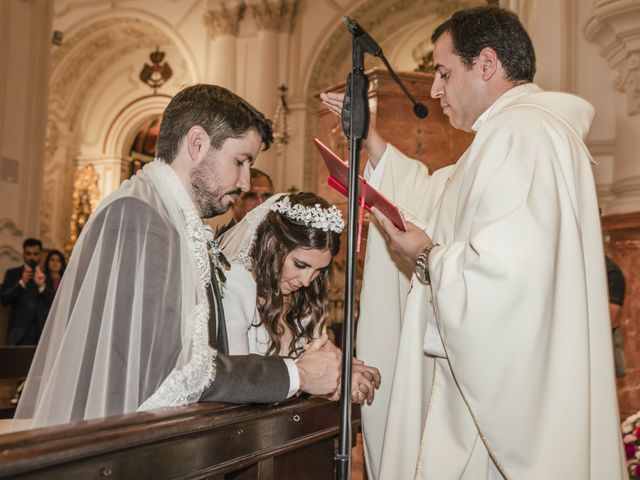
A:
[276, 237]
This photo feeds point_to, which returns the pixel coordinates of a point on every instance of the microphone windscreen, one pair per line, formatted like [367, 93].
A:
[420, 110]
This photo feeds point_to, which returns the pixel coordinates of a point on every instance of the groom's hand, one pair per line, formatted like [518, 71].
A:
[319, 368]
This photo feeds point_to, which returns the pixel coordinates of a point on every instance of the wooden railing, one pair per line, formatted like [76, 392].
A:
[14, 367]
[292, 440]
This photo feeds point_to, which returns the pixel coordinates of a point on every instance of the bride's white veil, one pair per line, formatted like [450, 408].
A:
[236, 243]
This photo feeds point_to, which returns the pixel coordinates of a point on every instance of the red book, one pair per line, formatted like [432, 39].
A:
[339, 180]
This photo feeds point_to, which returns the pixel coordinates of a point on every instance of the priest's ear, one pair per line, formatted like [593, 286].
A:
[197, 143]
[488, 62]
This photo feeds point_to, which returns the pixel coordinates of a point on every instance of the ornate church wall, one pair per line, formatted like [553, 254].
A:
[613, 27]
[96, 99]
[64, 107]
[24, 69]
[253, 47]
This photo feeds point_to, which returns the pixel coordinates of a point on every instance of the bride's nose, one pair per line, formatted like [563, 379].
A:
[306, 277]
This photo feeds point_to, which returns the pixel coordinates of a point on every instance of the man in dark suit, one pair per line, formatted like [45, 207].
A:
[260, 189]
[23, 289]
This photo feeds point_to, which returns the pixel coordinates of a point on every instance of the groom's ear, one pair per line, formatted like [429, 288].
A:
[197, 143]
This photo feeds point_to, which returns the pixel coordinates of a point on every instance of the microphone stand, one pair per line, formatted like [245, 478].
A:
[358, 87]
[356, 108]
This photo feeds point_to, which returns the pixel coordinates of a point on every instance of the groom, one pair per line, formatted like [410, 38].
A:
[214, 164]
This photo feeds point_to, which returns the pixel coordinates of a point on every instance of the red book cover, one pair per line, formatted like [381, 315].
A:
[339, 180]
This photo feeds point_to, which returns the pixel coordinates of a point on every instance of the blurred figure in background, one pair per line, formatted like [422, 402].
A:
[261, 188]
[54, 267]
[616, 286]
[23, 289]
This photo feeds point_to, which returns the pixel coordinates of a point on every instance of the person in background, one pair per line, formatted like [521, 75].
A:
[616, 286]
[260, 189]
[23, 289]
[54, 266]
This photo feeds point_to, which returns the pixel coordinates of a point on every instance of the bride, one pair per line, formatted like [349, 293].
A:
[275, 294]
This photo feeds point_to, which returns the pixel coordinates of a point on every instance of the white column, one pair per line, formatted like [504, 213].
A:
[223, 62]
[61, 146]
[222, 21]
[614, 25]
[265, 83]
[25, 32]
[272, 19]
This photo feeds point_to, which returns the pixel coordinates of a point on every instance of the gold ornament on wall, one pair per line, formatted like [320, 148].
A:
[84, 201]
[158, 73]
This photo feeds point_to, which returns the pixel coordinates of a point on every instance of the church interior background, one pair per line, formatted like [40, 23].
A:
[76, 119]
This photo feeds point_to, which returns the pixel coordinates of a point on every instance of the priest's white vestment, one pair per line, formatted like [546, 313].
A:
[506, 359]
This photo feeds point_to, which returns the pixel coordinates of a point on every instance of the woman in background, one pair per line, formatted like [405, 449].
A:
[54, 267]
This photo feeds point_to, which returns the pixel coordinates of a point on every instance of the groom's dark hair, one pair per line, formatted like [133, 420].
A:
[222, 114]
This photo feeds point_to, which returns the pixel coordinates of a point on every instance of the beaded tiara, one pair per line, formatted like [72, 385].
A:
[316, 217]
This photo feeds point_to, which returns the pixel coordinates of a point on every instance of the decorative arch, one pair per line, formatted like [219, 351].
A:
[386, 21]
[96, 100]
[156, 23]
[122, 130]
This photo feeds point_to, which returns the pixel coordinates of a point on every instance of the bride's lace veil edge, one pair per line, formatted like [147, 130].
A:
[236, 243]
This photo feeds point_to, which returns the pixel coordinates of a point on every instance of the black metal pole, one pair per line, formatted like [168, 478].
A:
[357, 91]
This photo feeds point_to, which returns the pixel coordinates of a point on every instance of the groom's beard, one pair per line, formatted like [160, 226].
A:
[207, 193]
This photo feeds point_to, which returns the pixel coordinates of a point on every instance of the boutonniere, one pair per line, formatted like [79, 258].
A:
[219, 263]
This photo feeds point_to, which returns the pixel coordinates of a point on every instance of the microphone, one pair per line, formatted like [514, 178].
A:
[369, 45]
[419, 109]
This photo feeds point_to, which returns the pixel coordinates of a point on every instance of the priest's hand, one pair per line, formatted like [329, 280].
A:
[374, 144]
[319, 368]
[364, 381]
[406, 245]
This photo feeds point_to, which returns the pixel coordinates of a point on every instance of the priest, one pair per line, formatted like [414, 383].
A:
[504, 368]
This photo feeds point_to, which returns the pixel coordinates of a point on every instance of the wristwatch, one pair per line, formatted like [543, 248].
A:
[421, 268]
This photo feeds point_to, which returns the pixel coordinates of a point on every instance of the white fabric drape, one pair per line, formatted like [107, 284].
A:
[385, 285]
[237, 242]
[128, 328]
[518, 300]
